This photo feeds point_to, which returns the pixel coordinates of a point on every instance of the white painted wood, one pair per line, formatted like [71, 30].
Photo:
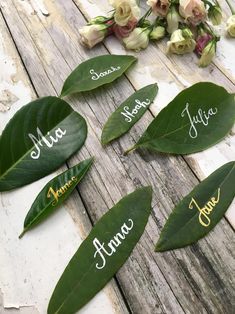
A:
[31, 267]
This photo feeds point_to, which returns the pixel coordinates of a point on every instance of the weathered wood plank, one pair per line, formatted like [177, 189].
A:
[30, 268]
[196, 279]
[173, 73]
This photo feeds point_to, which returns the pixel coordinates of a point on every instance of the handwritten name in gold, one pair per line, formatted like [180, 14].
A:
[204, 212]
[58, 193]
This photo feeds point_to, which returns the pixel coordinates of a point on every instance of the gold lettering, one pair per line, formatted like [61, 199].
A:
[206, 210]
[54, 193]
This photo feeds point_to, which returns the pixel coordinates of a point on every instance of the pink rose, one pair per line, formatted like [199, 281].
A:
[193, 10]
[124, 31]
[201, 43]
[159, 7]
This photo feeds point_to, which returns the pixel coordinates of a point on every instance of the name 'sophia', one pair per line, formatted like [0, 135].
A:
[104, 250]
[202, 117]
[41, 140]
[96, 76]
[130, 114]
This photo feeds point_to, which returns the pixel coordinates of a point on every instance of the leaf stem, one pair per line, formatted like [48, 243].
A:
[129, 150]
[22, 233]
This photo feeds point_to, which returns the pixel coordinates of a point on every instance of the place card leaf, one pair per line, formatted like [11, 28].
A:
[39, 138]
[128, 113]
[102, 253]
[54, 193]
[198, 213]
[96, 72]
[199, 117]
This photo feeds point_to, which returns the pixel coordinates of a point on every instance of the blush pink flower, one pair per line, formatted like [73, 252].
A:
[124, 31]
[159, 7]
[201, 43]
[193, 11]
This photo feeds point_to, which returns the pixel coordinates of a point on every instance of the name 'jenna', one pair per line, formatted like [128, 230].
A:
[103, 251]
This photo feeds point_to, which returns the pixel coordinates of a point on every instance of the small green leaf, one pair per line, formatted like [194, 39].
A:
[196, 119]
[128, 113]
[54, 194]
[199, 211]
[96, 72]
[102, 253]
[39, 138]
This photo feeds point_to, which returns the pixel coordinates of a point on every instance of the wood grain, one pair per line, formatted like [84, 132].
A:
[197, 279]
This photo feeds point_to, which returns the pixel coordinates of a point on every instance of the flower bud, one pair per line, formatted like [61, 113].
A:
[138, 39]
[93, 34]
[202, 41]
[173, 19]
[208, 54]
[230, 27]
[98, 20]
[157, 33]
[215, 14]
[181, 44]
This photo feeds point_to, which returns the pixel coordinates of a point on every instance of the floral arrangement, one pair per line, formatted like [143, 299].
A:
[188, 24]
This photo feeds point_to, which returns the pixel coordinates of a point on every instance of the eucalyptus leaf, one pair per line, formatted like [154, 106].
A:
[199, 211]
[96, 72]
[39, 138]
[102, 253]
[128, 113]
[196, 119]
[54, 194]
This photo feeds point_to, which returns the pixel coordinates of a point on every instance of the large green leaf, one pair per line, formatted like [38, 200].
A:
[128, 113]
[27, 149]
[96, 72]
[103, 252]
[54, 194]
[173, 132]
[199, 211]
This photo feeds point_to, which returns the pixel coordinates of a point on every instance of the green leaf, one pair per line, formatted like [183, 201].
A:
[54, 194]
[183, 128]
[96, 72]
[128, 113]
[37, 140]
[199, 211]
[102, 253]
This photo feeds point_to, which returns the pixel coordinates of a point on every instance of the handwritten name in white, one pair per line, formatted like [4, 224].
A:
[97, 76]
[40, 140]
[130, 114]
[202, 117]
[102, 252]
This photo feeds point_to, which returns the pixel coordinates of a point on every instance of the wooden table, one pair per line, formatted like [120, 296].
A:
[39, 47]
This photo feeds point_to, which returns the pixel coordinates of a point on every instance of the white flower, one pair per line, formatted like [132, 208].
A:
[208, 54]
[157, 33]
[125, 10]
[231, 26]
[138, 39]
[92, 34]
[181, 42]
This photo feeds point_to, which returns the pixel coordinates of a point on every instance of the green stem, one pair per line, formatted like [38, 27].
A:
[22, 233]
[230, 7]
[140, 22]
[129, 150]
